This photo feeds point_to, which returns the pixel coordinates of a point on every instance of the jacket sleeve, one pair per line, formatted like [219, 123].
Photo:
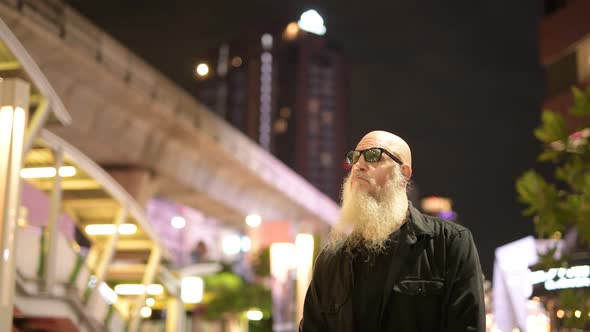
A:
[465, 309]
[312, 319]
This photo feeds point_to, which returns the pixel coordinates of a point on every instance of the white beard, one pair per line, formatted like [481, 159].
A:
[365, 221]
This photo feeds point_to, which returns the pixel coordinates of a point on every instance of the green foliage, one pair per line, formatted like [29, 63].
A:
[263, 325]
[224, 282]
[571, 301]
[261, 264]
[553, 128]
[581, 102]
[229, 294]
[543, 203]
[563, 202]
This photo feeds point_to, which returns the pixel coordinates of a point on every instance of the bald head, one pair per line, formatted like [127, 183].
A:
[388, 141]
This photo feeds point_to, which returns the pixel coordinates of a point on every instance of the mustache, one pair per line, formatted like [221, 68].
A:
[361, 178]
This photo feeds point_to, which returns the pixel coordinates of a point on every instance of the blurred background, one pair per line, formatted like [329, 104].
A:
[176, 166]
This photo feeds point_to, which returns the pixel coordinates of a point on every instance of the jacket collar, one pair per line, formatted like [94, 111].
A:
[418, 226]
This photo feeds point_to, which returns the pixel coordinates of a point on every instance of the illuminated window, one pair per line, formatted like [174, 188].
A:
[265, 98]
[313, 105]
[327, 117]
[291, 31]
[236, 61]
[314, 128]
[280, 126]
[266, 41]
[326, 87]
[285, 112]
[326, 159]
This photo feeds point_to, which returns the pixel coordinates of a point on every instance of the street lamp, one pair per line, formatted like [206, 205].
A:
[202, 69]
[14, 105]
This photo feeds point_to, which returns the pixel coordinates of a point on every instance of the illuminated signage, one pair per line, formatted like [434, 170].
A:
[311, 21]
[562, 278]
[434, 204]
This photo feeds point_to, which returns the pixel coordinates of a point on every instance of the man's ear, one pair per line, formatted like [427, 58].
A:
[407, 171]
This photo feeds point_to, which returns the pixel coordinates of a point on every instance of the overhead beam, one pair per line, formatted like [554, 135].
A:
[135, 245]
[133, 272]
[9, 65]
[71, 184]
[201, 269]
[84, 203]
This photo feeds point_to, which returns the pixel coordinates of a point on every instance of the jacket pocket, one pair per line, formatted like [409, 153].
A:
[419, 287]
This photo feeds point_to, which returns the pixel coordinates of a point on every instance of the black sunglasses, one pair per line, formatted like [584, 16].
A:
[371, 155]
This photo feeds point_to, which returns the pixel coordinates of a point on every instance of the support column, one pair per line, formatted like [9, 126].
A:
[91, 262]
[51, 231]
[107, 253]
[93, 256]
[14, 105]
[37, 122]
[175, 315]
[148, 278]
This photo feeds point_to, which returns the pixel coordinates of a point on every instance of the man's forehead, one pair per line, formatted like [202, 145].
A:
[374, 141]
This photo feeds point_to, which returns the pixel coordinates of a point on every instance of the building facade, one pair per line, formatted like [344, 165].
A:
[284, 88]
[564, 51]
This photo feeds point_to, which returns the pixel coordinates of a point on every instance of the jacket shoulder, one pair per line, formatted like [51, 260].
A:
[443, 227]
[327, 256]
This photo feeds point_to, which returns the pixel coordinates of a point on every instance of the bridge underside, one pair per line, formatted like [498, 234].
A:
[154, 138]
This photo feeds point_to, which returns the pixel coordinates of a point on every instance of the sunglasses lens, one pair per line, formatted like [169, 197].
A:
[351, 157]
[372, 155]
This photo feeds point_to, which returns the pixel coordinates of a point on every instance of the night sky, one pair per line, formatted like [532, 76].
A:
[458, 80]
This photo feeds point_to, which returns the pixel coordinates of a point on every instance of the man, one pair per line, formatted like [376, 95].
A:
[388, 267]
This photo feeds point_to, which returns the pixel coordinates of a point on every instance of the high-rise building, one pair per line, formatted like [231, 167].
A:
[283, 86]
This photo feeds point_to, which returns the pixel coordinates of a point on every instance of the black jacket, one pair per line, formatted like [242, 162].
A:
[435, 284]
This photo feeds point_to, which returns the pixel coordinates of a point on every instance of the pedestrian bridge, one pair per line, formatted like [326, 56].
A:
[131, 135]
[153, 137]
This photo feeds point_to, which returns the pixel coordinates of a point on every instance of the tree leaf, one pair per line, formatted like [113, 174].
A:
[552, 128]
[581, 105]
[549, 155]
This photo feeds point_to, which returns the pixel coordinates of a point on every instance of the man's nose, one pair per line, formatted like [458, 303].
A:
[361, 164]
